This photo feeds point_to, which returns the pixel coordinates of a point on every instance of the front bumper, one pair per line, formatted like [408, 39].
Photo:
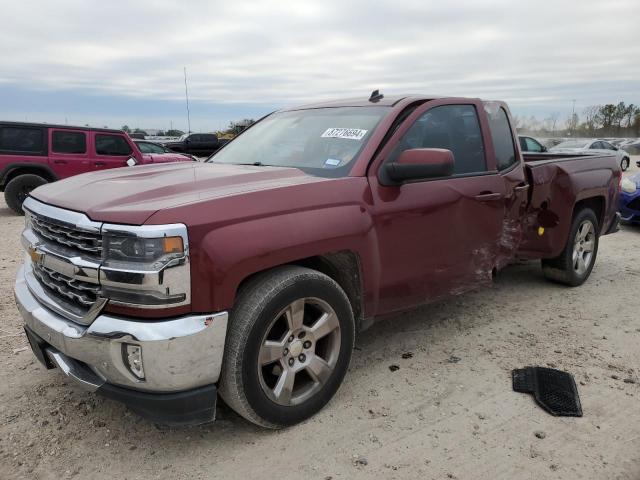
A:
[179, 355]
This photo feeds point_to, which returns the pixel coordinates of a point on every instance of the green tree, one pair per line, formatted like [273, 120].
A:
[125, 128]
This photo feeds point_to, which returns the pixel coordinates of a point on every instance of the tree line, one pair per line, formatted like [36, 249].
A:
[609, 120]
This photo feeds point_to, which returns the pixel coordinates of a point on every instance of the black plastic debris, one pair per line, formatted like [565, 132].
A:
[554, 390]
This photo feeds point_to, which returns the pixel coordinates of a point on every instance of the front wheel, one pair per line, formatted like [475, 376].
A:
[288, 346]
[624, 164]
[573, 266]
[18, 189]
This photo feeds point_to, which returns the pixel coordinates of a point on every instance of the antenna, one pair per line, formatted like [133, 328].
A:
[186, 94]
[376, 96]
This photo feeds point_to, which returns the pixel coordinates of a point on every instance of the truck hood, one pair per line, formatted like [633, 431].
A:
[131, 195]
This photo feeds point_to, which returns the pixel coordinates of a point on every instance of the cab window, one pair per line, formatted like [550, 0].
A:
[111, 145]
[452, 127]
[502, 137]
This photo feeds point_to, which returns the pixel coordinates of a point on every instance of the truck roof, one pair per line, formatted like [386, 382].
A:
[53, 125]
[386, 100]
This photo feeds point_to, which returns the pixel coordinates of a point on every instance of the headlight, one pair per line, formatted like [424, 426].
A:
[628, 186]
[145, 266]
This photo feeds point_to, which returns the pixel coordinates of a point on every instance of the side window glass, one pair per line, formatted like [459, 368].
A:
[595, 146]
[63, 141]
[502, 137]
[523, 144]
[533, 146]
[25, 140]
[111, 145]
[452, 127]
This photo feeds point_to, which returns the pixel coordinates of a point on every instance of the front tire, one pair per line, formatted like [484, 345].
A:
[18, 189]
[624, 164]
[573, 266]
[288, 346]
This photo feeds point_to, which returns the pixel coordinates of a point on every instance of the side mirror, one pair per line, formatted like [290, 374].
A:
[132, 162]
[544, 149]
[418, 164]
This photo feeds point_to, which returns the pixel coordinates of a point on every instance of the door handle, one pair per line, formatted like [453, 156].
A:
[521, 188]
[60, 162]
[488, 197]
[99, 164]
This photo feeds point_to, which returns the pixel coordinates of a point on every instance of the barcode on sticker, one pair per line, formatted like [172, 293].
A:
[348, 133]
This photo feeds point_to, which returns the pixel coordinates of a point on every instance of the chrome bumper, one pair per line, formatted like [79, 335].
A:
[177, 354]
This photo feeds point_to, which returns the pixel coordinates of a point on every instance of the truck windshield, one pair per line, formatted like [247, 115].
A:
[320, 141]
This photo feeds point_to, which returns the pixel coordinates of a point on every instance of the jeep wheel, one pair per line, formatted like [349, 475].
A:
[18, 188]
[288, 346]
[573, 266]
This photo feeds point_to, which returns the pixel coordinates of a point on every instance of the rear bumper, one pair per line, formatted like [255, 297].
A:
[182, 357]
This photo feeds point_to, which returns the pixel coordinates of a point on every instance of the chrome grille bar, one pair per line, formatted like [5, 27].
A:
[80, 292]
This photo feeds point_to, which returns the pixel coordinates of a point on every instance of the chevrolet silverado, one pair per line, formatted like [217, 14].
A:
[249, 275]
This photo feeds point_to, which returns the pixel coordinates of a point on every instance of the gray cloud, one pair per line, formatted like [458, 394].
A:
[526, 52]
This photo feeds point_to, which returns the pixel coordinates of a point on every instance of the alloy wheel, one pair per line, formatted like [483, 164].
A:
[299, 351]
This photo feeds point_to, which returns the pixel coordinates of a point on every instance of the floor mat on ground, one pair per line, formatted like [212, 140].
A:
[554, 390]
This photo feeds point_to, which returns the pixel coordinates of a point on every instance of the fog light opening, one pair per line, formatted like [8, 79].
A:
[133, 359]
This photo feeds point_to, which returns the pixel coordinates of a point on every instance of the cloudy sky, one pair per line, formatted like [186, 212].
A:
[115, 62]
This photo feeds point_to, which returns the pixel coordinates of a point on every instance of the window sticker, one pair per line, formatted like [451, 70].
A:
[332, 163]
[348, 133]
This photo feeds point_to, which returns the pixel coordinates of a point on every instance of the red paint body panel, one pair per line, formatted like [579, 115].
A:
[414, 243]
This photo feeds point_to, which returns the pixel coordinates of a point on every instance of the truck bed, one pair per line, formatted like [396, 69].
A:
[558, 182]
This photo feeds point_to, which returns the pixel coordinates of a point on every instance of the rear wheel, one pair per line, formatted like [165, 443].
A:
[573, 266]
[288, 346]
[624, 164]
[18, 189]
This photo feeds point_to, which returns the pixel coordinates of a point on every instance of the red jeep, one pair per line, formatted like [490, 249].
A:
[34, 154]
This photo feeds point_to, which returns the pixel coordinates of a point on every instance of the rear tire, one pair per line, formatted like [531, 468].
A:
[573, 266]
[282, 361]
[18, 189]
[624, 164]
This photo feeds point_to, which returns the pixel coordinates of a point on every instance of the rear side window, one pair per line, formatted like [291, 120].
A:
[502, 138]
[68, 142]
[24, 140]
[111, 145]
[532, 145]
[452, 127]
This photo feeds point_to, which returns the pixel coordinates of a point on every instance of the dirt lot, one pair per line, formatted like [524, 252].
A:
[447, 412]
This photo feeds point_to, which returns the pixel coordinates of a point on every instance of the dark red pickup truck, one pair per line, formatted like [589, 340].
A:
[251, 274]
[32, 154]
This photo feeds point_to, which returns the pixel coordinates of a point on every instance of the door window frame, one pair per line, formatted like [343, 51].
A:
[70, 130]
[384, 154]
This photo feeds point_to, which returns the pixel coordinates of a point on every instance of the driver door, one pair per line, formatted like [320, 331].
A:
[438, 236]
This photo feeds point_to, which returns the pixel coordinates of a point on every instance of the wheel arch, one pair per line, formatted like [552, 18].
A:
[595, 203]
[344, 267]
[14, 170]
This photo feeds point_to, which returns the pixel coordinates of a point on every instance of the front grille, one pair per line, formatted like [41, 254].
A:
[634, 204]
[66, 235]
[82, 294]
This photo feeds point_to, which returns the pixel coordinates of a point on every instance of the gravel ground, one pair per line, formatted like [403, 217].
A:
[446, 412]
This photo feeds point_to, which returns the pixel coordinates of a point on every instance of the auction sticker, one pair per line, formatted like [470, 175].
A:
[348, 133]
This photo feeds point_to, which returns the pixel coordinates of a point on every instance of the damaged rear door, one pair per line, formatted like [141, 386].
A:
[438, 236]
[510, 166]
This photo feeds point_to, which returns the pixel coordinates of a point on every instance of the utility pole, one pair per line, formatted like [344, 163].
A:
[574, 123]
[186, 94]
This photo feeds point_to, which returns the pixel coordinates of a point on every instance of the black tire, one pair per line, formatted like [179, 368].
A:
[18, 188]
[562, 269]
[259, 303]
[624, 164]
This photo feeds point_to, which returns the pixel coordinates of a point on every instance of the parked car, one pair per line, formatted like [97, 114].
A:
[630, 199]
[157, 152]
[250, 275]
[198, 144]
[137, 135]
[33, 154]
[591, 145]
[530, 144]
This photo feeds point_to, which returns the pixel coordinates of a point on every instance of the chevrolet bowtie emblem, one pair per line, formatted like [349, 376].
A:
[37, 257]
